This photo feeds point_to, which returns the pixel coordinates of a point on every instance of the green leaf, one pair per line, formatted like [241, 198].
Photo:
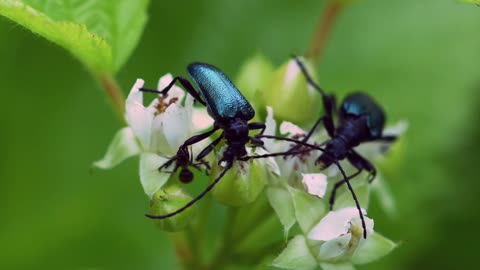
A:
[375, 247]
[296, 256]
[309, 209]
[101, 34]
[281, 202]
[123, 146]
[476, 2]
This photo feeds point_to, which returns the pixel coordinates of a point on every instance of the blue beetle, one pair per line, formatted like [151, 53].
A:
[231, 112]
[361, 120]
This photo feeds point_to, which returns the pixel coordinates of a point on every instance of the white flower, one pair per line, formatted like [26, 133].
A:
[154, 132]
[291, 166]
[341, 231]
[315, 183]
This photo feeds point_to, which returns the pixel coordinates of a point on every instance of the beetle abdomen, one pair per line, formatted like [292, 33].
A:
[361, 104]
[223, 99]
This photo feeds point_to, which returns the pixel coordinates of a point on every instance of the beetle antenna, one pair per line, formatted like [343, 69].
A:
[307, 76]
[192, 202]
[346, 179]
[292, 140]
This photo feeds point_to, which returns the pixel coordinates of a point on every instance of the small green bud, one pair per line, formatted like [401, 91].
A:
[253, 78]
[167, 200]
[254, 75]
[241, 184]
[290, 96]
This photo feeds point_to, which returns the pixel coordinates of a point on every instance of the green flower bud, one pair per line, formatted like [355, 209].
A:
[253, 78]
[290, 96]
[241, 184]
[170, 199]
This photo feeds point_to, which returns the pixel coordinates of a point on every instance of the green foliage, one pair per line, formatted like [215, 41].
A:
[477, 2]
[296, 256]
[101, 34]
[421, 65]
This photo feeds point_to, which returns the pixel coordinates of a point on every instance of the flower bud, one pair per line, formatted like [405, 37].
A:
[290, 96]
[253, 78]
[168, 200]
[241, 184]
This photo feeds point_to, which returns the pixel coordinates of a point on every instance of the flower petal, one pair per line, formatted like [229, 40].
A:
[337, 266]
[123, 146]
[396, 129]
[150, 178]
[138, 117]
[201, 119]
[315, 183]
[174, 92]
[335, 224]
[292, 129]
[335, 247]
[269, 163]
[270, 129]
[170, 129]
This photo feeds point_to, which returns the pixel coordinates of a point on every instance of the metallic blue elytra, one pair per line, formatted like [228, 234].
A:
[360, 104]
[224, 100]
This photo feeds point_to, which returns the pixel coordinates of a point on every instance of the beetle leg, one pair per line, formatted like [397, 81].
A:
[209, 148]
[337, 186]
[287, 153]
[256, 141]
[329, 103]
[386, 138]
[257, 125]
[185, 83]
[193, 201]
[357, 203]
[362, 163]
[198, 138]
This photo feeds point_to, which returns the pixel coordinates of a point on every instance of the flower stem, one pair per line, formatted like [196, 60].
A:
[324, 26]
[183, 249]
[114, 93]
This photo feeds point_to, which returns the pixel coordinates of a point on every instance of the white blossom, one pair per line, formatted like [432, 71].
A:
[158, 130]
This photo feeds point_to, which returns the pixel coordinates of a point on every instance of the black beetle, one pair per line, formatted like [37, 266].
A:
[361, 120]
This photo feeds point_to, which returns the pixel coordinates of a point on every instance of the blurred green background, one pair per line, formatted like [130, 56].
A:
[420, 59]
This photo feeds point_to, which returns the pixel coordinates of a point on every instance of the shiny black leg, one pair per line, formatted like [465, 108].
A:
[362, 218]
[185, 83]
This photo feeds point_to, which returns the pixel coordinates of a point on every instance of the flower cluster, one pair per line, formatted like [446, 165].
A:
[291, 189]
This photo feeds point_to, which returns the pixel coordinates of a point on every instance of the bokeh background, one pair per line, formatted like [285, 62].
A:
[420, 59]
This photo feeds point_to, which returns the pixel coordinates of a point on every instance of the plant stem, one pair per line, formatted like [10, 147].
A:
[182, 249]
[114, 93]
[324, 26]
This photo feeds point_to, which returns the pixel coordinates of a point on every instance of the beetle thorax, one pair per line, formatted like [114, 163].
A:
[236, 131]
[336, 149]
[236, 134]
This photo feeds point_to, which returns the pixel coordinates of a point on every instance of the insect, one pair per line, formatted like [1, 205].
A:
[231, 113]
[361, 120]
[183, 160]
